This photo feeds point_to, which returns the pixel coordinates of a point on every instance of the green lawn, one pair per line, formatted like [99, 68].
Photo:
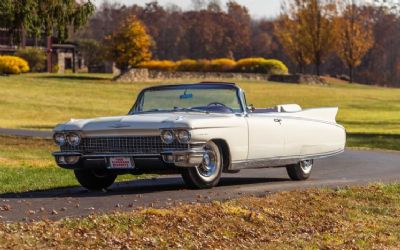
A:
[371, 115]
[352, 218]
[26, 164]
[41, 101]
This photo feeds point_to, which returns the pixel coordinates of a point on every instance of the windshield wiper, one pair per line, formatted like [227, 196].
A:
[190, 110]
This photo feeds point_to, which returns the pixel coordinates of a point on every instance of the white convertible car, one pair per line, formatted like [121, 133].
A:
[200, 131]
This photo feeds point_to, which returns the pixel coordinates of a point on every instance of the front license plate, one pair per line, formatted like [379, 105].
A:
[121, 163]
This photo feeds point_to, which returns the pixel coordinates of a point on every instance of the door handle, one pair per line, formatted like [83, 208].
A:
[278, 120]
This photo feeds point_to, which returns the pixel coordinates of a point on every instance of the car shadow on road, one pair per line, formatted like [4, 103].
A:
[137, 187]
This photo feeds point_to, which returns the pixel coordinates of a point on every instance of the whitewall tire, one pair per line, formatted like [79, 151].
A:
[208, 173]
[300, 171]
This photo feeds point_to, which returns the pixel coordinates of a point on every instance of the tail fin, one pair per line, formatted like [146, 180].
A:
[322, 114]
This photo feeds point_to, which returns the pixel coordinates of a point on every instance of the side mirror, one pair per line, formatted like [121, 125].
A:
[251, 108]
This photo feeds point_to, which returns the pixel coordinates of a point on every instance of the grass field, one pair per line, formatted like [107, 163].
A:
[26, 164]
[353, 218]
[41, 101]
[371, 116]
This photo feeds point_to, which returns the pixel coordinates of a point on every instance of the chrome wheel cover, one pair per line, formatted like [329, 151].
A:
[209, 169]
[306, 166]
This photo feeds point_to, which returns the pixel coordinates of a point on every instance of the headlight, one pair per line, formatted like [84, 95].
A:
[59, 139]
[73, 139]
[167, 136]
[183, 136]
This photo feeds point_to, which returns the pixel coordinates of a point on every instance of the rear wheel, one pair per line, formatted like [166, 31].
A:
[301, 170]
[208, 173]
[95, 180]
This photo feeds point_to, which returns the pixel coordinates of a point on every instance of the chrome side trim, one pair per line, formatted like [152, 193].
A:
[279, 161]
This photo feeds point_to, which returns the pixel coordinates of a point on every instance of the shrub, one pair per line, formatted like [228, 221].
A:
[202, 65]
[248, 65]
[164, 65]
[192, 65]
[35, 57]
[277, 67]
[13, 65]
[56, 68]
[221, 65]
[92, 51]
[187, 65]
[261, 65]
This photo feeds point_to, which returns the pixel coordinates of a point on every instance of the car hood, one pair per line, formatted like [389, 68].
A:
[153, 121]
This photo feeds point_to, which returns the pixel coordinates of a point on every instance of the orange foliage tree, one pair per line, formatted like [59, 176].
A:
[288, 33]
[355, 36]
[129, 45]
[311, 24]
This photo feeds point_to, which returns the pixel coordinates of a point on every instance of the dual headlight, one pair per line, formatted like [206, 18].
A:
[72, 139]
[169, 136]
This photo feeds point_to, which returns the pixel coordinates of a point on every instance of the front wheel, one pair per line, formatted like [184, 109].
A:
[300, 171]
[208, 173]
[95, 180]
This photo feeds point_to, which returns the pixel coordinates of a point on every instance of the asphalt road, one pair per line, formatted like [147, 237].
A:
[350, 168]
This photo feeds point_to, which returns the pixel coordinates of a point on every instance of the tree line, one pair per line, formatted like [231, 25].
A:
[310, 36]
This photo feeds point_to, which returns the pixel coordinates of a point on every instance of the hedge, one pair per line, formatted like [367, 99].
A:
[13, 65]
[261, 65]
[164, 65]
[222, 65]
[247, 65]
[35, 57]
[192, 65]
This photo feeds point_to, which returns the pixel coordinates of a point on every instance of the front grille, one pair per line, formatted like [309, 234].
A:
[131, 145]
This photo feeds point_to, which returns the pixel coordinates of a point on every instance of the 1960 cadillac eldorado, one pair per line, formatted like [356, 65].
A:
[198, 130]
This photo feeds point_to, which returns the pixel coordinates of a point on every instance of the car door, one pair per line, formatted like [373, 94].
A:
[266, 135]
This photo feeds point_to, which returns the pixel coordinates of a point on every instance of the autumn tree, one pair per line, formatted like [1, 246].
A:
[289, 34]
[355, 36]
[239, 29]
[129, 45]
[381, 65]
[314, 24]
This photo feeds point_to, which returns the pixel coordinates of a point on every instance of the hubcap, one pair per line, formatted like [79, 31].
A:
[208, 169]
[306, 166]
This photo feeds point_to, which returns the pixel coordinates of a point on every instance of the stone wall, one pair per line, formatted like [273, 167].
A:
[144, 75]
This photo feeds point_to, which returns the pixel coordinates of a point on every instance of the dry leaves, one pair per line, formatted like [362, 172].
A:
[349, 218]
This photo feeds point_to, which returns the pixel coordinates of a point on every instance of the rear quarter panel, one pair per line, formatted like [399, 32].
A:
[311, 137]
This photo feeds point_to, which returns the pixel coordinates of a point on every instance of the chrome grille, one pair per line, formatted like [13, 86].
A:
[134, 145]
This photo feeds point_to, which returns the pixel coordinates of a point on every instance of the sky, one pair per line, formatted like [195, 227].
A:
[257, 8]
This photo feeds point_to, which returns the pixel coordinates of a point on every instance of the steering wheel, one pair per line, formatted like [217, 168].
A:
[219, 104]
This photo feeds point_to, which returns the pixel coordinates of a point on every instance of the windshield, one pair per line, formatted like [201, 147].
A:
[193, 98]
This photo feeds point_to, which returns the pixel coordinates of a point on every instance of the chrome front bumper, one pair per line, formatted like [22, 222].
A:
[185, 158]
[182, 158]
